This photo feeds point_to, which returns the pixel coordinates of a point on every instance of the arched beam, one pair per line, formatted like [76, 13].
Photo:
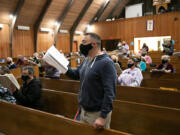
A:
[119, 11]
[77, 21]
[38, 22]
[61, 19]
[98, 14]
[13, 22]
[114, 9]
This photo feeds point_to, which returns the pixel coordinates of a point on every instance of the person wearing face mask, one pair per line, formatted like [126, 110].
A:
[125, 49]
[165, 66]
[30, 93]
[98, 79]
[131, 76]
[10, 63]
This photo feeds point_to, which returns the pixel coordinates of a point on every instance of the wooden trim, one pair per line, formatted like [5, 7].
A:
[13, 22]
[38, 22]
[79, 18]
[61, 19]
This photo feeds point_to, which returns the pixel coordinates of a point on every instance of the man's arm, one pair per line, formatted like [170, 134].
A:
[74, 73]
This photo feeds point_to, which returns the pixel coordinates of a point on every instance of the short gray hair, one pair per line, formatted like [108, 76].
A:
[165, 57]
[94, 37]
[30, 69]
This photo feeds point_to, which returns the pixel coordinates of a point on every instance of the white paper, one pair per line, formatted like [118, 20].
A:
[56, 59]
[8, 79]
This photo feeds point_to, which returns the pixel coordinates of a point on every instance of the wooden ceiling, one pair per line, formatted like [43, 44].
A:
[107, 11]
[32, 9]
[7, 7]
[30, 12]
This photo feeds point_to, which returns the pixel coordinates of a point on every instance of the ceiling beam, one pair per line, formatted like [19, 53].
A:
[119, 11]
[98, 13]
[13, 22]
[61, 19]
[39, 21]
[114, 9]
[78, 20]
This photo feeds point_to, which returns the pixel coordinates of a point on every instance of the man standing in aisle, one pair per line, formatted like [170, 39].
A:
[97, 76]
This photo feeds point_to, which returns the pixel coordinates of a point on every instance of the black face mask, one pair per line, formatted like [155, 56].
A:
[8, 62]
[84, 49]
[25, 78]
[143, 55]
[114, 61]
[164, 61]
[130, 65]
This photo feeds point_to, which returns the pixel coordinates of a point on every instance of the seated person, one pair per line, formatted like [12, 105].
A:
[119, 46]
[141, 63]
[34, 60]
[4, 70]
[147, 58]
[30, 93]
[10, 63]
[125, 49]
[118, 68]
[20, 61]
[5, 94]
[165, 66]
[145, 48]
[168, 48]
[51, 72]
[131, 76]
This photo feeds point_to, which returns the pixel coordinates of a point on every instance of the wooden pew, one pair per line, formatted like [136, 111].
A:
[18, 120]
[16, 72]
[131, 117]
[136, 94]
[157, 83]
[160, 75]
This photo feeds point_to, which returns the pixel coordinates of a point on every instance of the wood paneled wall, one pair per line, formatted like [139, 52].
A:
[4, 41]
[127, 29]
[63, 42]
[23, 42]
[45, 40]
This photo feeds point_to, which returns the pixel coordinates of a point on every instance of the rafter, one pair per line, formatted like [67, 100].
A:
[13, 22]
[99, 13]
[61, 19]
[77, 21]
[39, 21]
[114, 9]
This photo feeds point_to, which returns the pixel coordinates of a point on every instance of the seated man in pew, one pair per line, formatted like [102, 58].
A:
[97, 76]
[30, 93]
[165, 66]
[131, 76]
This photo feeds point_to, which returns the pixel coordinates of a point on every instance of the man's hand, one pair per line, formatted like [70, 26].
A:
[99, 123]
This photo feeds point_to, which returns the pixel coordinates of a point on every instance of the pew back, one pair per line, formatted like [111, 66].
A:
[137, 94]
[20, 120]
[131, 117]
